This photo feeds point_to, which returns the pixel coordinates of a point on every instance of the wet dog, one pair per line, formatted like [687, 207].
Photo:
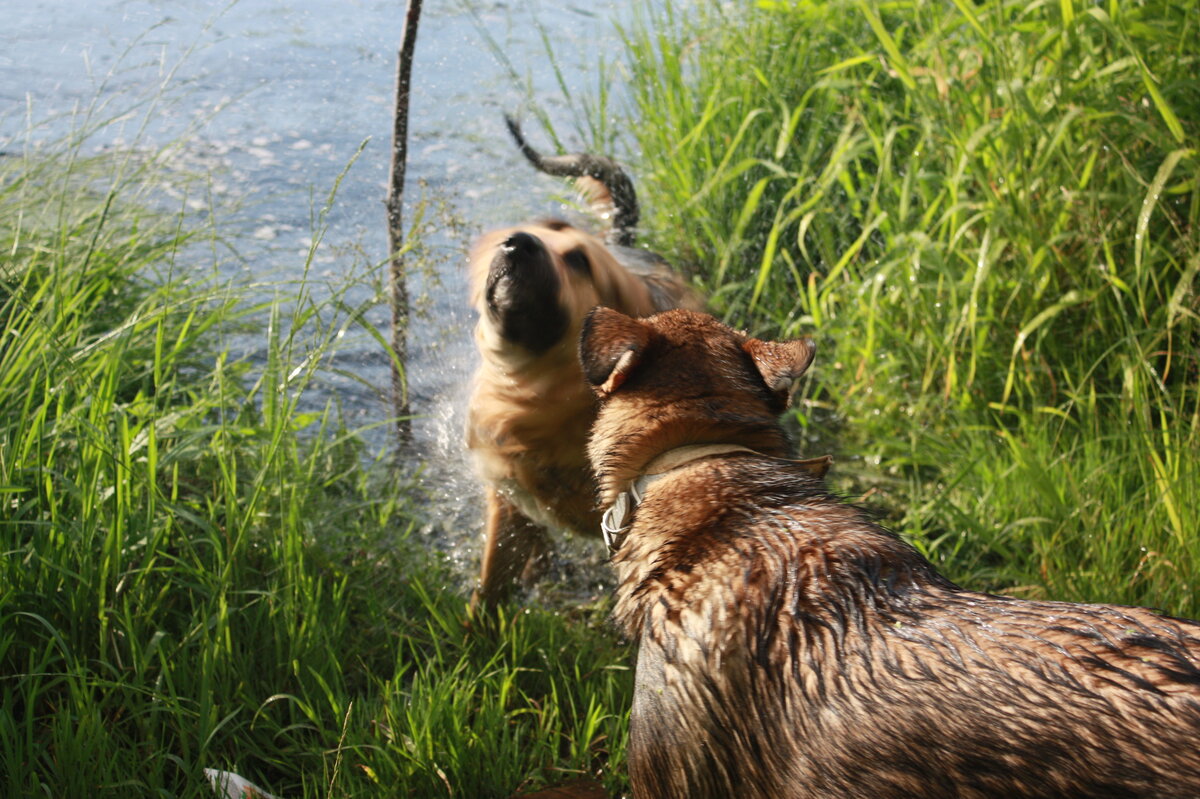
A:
[530, 411]
[790, 647]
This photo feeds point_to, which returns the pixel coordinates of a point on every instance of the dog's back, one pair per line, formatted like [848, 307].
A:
[790, 647]
[794, 649]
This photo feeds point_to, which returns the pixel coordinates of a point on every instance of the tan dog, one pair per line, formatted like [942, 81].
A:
[531, 410]
[790, 647]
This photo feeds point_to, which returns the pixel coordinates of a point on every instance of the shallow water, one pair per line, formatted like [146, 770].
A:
[282, 93]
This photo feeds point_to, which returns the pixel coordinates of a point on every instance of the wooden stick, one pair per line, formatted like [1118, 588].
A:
[395, 207]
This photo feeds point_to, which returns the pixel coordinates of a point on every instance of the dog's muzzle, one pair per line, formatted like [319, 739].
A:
[523, 288]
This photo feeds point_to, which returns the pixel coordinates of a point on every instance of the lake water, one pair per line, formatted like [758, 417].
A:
[282, 94]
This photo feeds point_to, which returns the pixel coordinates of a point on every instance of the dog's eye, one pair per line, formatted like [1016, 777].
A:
[578, 260]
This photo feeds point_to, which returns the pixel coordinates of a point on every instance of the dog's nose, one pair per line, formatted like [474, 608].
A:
[521, 243]
[522, 294]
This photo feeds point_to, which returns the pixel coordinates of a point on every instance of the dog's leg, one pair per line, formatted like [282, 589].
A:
[512, 551]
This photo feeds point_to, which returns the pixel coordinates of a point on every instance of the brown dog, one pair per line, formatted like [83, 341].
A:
[531, 410]
[789, 647]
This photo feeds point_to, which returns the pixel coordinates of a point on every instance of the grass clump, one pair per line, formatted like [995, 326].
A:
[987, 213]
[200, 569]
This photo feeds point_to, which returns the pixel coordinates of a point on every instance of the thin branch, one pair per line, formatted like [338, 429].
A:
[396, 238]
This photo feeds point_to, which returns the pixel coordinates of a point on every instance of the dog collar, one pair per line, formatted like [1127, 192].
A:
[617, 520]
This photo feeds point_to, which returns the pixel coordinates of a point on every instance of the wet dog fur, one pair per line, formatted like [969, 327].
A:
[530, 410]
[790, 647]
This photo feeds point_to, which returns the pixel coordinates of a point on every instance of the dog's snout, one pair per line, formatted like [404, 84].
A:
[521, 243]
[522, 294]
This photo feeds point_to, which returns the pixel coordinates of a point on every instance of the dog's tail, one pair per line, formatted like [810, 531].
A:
[604, 184]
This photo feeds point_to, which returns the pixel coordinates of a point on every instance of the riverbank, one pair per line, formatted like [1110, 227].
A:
[201, 567]
[986, 214]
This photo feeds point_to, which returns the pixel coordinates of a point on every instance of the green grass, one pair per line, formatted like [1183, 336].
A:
[987, 215]
[199, 570]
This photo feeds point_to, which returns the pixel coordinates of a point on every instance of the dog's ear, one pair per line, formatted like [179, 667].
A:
[780, 363]
[610, 346]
